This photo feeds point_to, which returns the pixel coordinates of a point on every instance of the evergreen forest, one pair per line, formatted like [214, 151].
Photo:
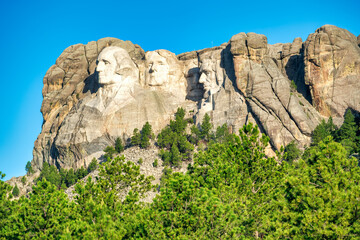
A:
[231, 189]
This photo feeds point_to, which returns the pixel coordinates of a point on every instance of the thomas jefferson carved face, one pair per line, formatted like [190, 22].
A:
[157, 72]
[115, 67]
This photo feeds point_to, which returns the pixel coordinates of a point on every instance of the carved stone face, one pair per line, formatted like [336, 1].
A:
[114, 66]
[157, 72]
[208, 78]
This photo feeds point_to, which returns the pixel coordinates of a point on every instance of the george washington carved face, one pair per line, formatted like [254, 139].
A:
[115, 67]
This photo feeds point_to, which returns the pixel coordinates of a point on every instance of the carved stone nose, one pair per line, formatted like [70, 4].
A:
[202, 78]
[100, 67]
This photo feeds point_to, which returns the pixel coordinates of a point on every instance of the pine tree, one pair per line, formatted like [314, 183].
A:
[23, 180]
[15, 191]
[323, 130]
[146, 135]
[155, 163]
[51, 174]
[81, 173]
[178, 126]
[109, 152]
[93, 165]
[175, 155]
[119, 147]
[205, 128]
[222, 133]
[28, 168]
[136, 138]
[292, 152]
[348, 128]
[322, 188]
[70, 177]
[346, 134]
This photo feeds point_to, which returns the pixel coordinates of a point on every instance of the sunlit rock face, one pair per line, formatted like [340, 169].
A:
[157, 73]
[109, 102]
[97, 92]
[332, 70]
[283, 114]
[164, 72]
[117, 77]
[220, 100]
[119, 105]
[191, 71]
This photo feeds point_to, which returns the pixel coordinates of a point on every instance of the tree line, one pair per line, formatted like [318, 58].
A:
[232, 190]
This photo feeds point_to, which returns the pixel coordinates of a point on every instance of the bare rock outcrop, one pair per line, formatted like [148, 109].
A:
[283, 114]
[332, 70]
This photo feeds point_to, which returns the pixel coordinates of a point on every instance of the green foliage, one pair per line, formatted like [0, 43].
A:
[81, 173]
[178, 126]
[119, 147]
[63, 178]
[70, 177]
[231, 191]
[140, 161]
[136, 138]
[142, 138]
[347, 133]
[146, 135]
[166, 137]
[204, 132]
[292, 152]
[323, 130]
[205, 128]
[175, 155]
[222, 134]
[293, 85]
[51, 174]
[28, 168]
[23, 180]
[44, 214]
[93, 165]
[7, 206]
[227, 193]
[102, 214]
[174, 141]
[15, 191]
[109, 152]
[155, 163]
[322, 196]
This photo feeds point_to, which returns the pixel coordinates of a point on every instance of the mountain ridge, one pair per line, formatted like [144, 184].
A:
[283, 88]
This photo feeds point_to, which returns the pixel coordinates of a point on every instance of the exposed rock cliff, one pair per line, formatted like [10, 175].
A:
[284, 88]
[332, 70]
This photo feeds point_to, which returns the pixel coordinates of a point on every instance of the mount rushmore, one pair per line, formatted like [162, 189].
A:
[97, 92]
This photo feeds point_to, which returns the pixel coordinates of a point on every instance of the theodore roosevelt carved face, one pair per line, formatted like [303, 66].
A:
[115, 68]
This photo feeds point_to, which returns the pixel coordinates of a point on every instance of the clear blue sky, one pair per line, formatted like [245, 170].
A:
[34, 34]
